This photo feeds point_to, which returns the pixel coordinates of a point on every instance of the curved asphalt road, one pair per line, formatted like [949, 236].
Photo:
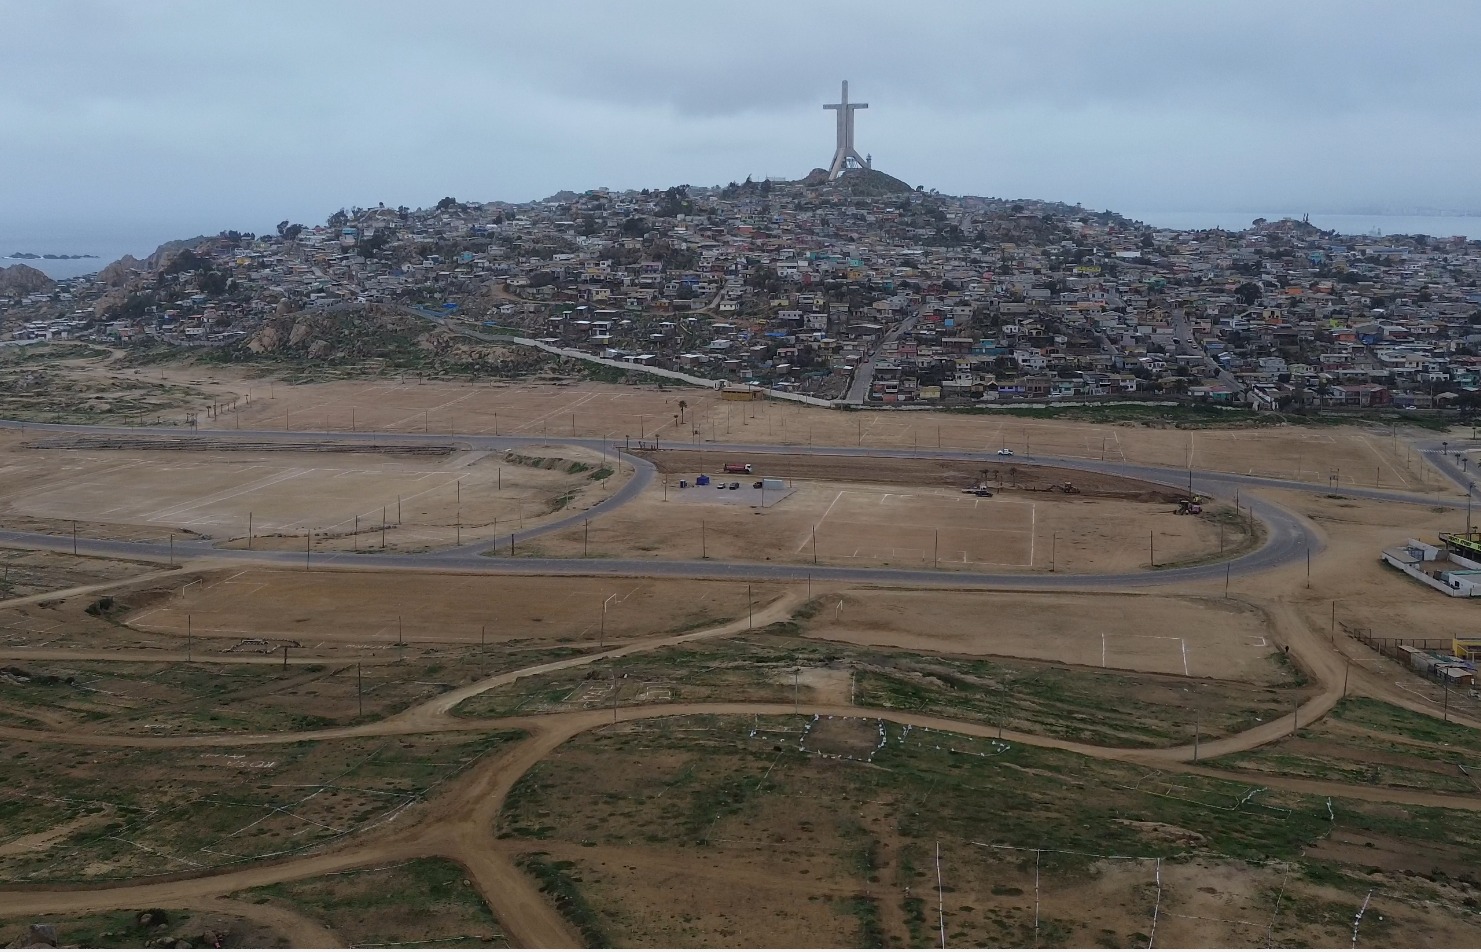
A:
[1289, 537]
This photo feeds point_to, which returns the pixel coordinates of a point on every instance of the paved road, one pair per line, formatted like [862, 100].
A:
[858, 391]
[1289, 540]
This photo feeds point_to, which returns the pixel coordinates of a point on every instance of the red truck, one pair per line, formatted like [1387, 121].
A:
[737, 467]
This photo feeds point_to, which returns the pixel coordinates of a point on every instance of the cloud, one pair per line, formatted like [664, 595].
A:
[248, 113]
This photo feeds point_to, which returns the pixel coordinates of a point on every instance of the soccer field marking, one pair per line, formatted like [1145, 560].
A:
[82, 481]
[1032, 531]
[813, 531]
[216, 497]
[1182, 647]
[884, 550]
[246, 468]
[1384, 461]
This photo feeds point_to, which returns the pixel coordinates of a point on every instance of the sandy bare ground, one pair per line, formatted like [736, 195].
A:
[1167, 634]
[458, 822]
[365, 501]
[329, 608]
[862, 524]
[1365, 456]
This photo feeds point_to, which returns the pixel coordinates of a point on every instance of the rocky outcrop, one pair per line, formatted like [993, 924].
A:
[24, 278]
[117, 274]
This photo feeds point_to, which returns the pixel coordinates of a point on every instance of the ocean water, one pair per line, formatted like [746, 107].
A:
[1436, 226]
[108, 243]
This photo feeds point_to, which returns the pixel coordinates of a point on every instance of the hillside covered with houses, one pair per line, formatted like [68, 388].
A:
[843, 291]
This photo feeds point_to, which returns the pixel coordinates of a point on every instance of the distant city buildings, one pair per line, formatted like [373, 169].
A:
[853, 289]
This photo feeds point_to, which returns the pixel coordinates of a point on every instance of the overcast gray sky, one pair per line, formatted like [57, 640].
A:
[195, 116]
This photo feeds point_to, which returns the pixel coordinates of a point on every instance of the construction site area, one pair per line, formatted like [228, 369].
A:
[391, 662]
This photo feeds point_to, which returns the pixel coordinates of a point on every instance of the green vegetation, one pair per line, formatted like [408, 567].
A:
[865, 908]
[421, 901]
[143, 811]
[560, 885]
[1099, 706]
[714, 787]
[114, 930]
[1369, 742]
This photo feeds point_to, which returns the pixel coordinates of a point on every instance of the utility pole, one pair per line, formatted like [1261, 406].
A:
[172, 550]
[702, 551]
[74, 536]
[359, 689]
[748, 606]
[1151, 548]
[249, 530]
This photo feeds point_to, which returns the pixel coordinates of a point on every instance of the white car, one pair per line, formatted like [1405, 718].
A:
[1005, 452]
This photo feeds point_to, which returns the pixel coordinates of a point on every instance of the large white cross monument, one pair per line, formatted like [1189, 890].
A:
[845, 150]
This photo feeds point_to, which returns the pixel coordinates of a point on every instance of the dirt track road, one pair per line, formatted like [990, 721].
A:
[459, 822]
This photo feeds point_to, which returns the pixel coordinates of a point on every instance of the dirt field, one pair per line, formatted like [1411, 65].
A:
[374, 611]
[864, 524]
[1046, 780]
[1195, 637]
[281, 496]
[1345, 455]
